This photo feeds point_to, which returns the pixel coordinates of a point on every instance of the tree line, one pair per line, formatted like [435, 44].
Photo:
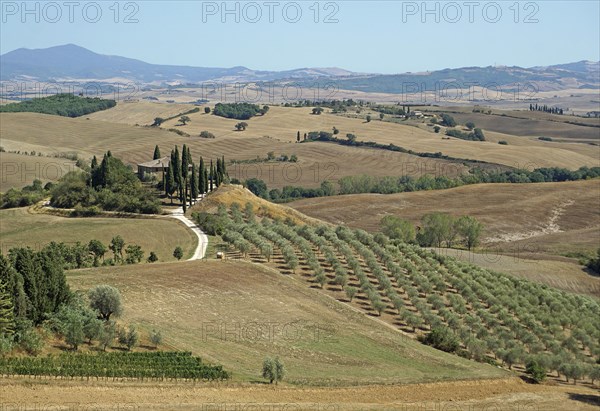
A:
[389, 185]
[26, 196]
[546, 109]
[436, 230]
[66, 105]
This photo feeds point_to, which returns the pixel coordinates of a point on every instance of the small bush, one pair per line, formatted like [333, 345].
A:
[536, 371]
[442, 339]
[206, 134]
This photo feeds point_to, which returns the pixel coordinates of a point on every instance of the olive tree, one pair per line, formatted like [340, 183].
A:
[106, 300]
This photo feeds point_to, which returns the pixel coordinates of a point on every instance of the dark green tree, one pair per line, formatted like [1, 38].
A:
[97, 249]
[201, 177]
[178, 253]
[7, 314]
[211, 175]
[156, 155]
[170, 186]
[117, 244]
[194, 184]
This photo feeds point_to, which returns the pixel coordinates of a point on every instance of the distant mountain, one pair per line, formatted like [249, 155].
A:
[71, 62]
[583, 74]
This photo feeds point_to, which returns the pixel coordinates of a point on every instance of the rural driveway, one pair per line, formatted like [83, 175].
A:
[202, 238]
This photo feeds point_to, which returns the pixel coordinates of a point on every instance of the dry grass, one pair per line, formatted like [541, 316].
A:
[495, 394]
[229, 194]
[19, 170]
[19, 228]
[526, 123]
[317, 162]
[236, 313]
[276, 132]
[140, 112]
[504, 209]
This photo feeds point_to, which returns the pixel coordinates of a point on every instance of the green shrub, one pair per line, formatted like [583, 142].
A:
[442, 339]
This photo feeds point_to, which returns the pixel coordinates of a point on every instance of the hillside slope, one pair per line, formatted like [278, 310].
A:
[237, 313]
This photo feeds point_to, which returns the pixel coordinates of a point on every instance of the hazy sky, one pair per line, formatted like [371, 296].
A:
[364, 36]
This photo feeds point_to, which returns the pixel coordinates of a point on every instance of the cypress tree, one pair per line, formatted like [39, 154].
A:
[194, 184]
[176, 163]
[218, 173]
[211, 175]
[201, 176]
[170, 183]
[183, 193]
[205, 181]
[156, 155]
[94, 163]
[223, 168]
[14, 285]
[7, 315]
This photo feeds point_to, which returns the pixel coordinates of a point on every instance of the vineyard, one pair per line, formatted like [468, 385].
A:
[493, 317]
[136, 365]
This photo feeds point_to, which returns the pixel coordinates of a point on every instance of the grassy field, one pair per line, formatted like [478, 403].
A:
[235, 314]
[19, 170]
[19, 228]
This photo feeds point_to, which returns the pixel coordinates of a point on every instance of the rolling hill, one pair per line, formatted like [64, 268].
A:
[74, 62]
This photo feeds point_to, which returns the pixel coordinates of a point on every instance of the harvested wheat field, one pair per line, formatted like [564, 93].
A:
[316, 162]
[19, 170]
[509, 212]
[505, 395]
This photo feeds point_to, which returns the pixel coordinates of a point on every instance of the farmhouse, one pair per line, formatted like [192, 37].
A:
[155, 166]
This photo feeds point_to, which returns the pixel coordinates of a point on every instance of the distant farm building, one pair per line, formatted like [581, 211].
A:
[155, 166]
